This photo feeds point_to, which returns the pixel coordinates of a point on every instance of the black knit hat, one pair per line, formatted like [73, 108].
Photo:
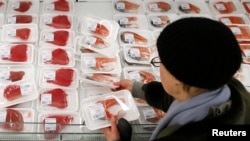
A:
[199, 52]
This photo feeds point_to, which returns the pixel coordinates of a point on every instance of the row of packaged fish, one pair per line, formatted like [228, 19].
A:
[131, 6]
[181, 6]
[34, 6]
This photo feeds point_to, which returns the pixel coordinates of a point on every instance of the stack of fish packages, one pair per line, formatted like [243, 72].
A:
[19, 35]
[235, 14]
[57, 101]
[140, 24]
[97, 51]
[136, 39]
[99, 60]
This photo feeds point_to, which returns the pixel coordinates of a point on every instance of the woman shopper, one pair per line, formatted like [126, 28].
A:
[198, 59]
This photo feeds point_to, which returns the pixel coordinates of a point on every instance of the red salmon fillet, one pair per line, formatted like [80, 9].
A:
[64, 77]
[60, 38]
[60, 22]
[244, 31]
[137, 37]
[14, 120]
[16, 75]
[23, 33]
[61, 122]
[61, 5]
[233, 19]
[59, 56]
[229, 7]
[162, 6]
[101, 30]
[245, 5]
[23, 18]
[59, 97]
[128, 6]
[23, 6]
[18, 53]
[107, 103]
[12, 92]
[191, 9]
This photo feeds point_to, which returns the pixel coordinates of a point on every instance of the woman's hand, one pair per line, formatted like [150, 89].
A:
[112, 133]
[123, 84]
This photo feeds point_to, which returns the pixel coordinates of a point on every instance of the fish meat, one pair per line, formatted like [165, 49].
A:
[159, 115]
[12, 92]
[61, 5]
[95, 42]
[61, 122]
[132, 37]
[1, 3]
[60, 22]
[58, 97]
[13, 120]
[246, 5]
[22, 19]
[160, 21]
[60, 38]
[232, 20]
[189, 8]
[18, 53]
[23, 33]
[159, 6]
[240, 32]
[139, 53]
[128, 22]
[23, 6]
[145, 76]
[224, 7]
[59, 56]
[63, 77]
[107, 103]
[16, 75]
[126, 6]
[102, 77]
[104, 63]
[101, 30]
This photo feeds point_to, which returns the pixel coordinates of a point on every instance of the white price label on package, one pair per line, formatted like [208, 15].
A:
[120, 5]
[26, 89]
[97, 111]
[49, 37]
[92, 25]
[46, 99]
[134, 75]
[50, 124]
[149, 113]
[49, 75]
[129, 38]
[4, 74]
[89, 62]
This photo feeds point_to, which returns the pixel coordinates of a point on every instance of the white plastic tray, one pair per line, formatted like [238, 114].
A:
[92, 115]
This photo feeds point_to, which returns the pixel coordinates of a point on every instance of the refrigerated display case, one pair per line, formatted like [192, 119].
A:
[132, 44]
